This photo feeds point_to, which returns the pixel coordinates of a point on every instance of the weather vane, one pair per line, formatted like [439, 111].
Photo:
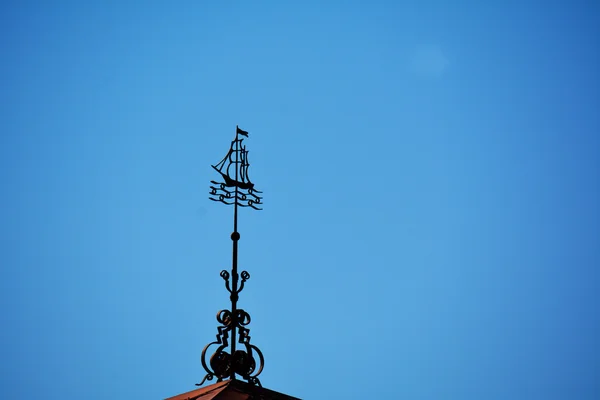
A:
[239, 191]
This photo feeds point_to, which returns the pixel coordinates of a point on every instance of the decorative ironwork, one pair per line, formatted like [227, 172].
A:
[244, 194]
[239, 191]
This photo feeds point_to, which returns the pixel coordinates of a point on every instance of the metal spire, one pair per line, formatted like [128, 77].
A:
[237, 190]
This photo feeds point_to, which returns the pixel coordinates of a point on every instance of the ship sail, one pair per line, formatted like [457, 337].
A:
[245, 165]
[236, 158]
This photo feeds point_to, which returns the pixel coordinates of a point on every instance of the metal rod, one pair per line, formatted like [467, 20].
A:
[234, 237]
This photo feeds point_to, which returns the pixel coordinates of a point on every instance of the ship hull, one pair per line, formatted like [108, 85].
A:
[233, 183]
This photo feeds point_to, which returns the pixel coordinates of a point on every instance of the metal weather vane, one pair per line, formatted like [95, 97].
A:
[237, 190]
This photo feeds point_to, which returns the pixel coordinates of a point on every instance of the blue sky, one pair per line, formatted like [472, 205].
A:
[431, 179]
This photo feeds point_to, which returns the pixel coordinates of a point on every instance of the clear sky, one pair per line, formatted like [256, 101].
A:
[431, 179]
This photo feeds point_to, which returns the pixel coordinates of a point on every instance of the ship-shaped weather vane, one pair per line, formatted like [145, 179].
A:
[236, 189]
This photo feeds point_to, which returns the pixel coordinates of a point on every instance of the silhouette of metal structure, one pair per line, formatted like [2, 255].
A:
[235, 189]
[234, 355]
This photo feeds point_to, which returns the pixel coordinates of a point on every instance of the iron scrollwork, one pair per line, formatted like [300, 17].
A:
[243, 362]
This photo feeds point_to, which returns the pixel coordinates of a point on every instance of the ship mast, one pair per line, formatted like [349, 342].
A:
[235, 236]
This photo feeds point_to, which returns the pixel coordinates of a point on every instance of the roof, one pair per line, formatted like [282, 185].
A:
[232, 390]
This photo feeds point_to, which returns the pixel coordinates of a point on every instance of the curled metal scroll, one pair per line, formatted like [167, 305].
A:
[244, 361]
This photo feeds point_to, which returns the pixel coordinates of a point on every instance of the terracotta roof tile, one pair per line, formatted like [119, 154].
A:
[232, 390]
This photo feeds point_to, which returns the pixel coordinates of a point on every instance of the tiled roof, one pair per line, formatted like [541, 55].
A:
[232, 390]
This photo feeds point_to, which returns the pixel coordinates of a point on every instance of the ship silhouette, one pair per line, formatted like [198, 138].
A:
[238, 157]
[233, 168]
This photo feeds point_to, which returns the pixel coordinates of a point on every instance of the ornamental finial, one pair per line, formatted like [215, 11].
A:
[235, 189]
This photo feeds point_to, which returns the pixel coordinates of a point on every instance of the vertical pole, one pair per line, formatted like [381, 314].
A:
[235, 236]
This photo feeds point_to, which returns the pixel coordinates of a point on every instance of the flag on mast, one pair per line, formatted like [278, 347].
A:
[241, 131]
